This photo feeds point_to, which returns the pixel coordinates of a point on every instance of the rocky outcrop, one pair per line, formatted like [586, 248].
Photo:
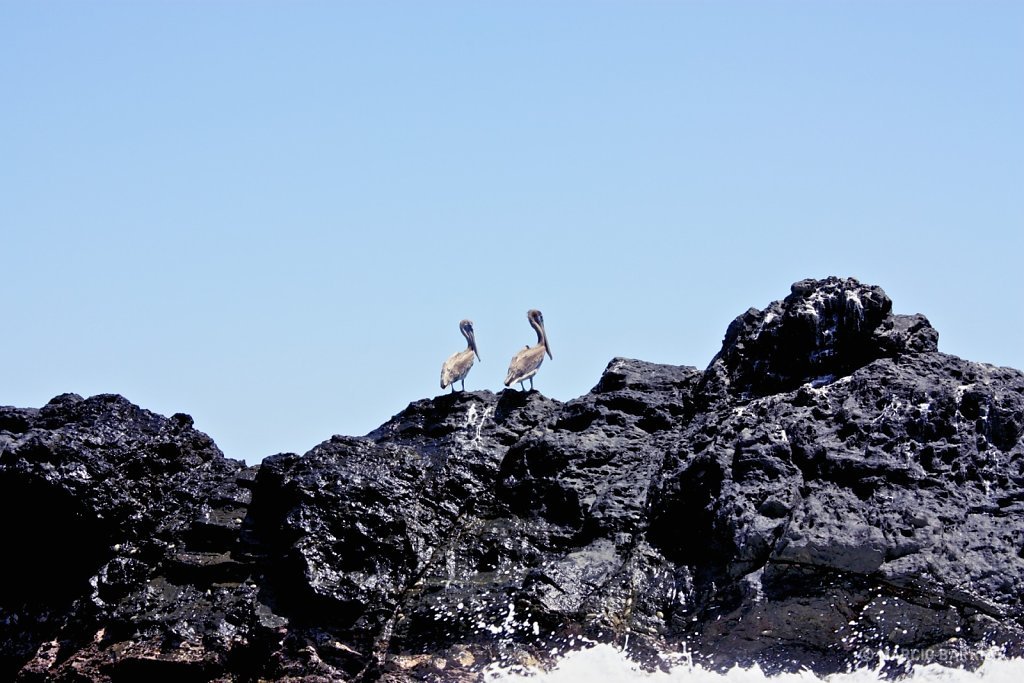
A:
[830, 486]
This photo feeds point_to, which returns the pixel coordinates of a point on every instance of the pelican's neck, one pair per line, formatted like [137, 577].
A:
[469, 340]
[541, 337]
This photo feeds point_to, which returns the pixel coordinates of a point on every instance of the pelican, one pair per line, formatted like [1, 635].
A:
[458, 364]
[525, 364]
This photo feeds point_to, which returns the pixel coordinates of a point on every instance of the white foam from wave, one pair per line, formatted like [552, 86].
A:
[606, 663]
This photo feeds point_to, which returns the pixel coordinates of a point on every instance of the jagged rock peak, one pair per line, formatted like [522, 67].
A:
[824, 330]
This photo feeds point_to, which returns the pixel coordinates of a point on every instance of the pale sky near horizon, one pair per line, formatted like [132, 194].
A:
[273, 215]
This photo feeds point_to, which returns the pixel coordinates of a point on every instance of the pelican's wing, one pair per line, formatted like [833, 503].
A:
[456, 367]
[524, 364]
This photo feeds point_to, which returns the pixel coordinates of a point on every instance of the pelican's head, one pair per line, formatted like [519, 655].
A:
[467, 331]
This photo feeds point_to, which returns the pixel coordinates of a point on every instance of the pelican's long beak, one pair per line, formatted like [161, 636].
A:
[472, 342]
[547, 346]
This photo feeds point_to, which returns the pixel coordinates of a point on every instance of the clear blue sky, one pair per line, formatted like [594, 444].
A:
[273, 215]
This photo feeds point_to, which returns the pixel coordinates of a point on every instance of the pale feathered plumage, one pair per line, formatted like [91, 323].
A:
[525, 364]
[458, 364]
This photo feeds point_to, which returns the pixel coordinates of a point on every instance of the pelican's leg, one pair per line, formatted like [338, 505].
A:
[522, 386]
[531, 384]
[463, 383]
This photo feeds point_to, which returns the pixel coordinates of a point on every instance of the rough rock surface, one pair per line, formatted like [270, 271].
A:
[829, 487]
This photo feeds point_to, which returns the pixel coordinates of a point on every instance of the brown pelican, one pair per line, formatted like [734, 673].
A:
[525, 364]
[458, 364]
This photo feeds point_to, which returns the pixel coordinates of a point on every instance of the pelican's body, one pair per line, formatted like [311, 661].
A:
[458, 364]
[525, 364]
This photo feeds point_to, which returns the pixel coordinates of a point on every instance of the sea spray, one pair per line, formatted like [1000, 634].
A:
[604, 662]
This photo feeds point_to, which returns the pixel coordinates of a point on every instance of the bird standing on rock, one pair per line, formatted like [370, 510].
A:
[525, 364]
[458, 364]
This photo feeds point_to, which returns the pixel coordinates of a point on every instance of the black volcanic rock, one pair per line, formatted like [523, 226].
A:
[829, 487]
[118, 529]
[824, 329]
